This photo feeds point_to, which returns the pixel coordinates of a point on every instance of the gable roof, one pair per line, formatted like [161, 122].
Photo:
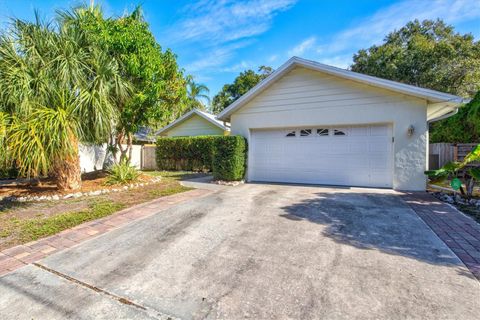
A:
[431, 96]
[205, 115]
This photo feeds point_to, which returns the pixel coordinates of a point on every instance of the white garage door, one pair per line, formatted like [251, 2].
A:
[351, 156]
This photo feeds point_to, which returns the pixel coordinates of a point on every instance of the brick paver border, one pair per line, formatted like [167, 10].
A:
[459, 232]
[18, 256]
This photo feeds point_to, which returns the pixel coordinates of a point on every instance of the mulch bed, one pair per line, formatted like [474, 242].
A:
[91, 181]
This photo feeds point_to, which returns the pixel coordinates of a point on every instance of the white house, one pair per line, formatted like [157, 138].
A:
[195, 123]
[313, 123]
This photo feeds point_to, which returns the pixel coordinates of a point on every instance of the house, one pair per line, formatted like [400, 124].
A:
[313, 123]
[195, 123]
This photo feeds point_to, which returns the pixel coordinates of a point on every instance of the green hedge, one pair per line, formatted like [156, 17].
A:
[224, 155]
[229, 158]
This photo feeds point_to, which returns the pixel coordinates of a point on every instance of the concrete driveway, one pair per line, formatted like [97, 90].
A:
[258, 252]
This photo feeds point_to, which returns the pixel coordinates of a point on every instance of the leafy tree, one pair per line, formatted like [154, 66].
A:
[159, 91]
[56, 89]
[432, 55]
[197, 94]
[428, 54]
[463, 127]
[242, 83]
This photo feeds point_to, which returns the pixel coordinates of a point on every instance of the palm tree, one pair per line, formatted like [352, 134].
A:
[57, 89]
[197, 94]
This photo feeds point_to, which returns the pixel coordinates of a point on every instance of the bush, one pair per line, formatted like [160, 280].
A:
[122, 173]
[186, 153]
[229, 158]
[224, 155]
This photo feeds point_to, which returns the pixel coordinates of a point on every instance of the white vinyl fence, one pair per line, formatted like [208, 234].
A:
[93, 156]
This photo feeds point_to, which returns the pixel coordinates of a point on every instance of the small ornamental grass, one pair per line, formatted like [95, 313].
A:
[122, 173]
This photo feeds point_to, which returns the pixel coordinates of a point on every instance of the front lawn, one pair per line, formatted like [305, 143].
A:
[25, 222]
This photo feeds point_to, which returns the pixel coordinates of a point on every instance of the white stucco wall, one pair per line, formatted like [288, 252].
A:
[194, 126]
[309, 98]
[93, 156]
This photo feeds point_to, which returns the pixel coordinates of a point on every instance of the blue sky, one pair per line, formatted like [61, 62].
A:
[215, 40]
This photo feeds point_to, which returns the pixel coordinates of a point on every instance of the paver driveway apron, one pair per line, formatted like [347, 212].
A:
[260, 252]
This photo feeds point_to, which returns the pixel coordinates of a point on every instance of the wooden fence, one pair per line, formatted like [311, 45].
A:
[149, 161]
[442, 153]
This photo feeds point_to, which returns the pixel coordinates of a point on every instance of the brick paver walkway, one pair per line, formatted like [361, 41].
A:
[16, 257]
[459, 232]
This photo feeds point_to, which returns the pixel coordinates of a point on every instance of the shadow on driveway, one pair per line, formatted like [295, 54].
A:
[373, 221]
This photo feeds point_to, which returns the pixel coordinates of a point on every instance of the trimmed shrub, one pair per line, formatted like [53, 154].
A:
[224, 155]
[229, 158]
[186, 153]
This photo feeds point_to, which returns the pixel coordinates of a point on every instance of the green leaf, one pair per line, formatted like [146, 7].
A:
[475, 173]
[456, 184]
[474, 155]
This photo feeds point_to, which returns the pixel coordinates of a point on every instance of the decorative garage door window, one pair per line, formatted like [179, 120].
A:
[322, 132]
[305, 132]
[290, 134]
[317, 132]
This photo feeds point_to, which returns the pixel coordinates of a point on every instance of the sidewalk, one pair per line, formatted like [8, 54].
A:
[459, 232]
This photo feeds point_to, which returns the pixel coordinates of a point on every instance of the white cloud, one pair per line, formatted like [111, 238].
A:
[239, 67]
[226, 20]
[340, 61]
[216, 56]
[338, 50]
[303, 46]
[373, 29]
[272, 58]
[221, 27]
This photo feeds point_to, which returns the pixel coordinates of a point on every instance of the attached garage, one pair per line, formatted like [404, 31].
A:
[338, 155]
[316, 124]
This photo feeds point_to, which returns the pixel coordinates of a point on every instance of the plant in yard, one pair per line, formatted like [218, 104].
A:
[57, 89]
[245, 81]
[458, 171]
[430, 54]
[158, 84]
[197, 94]
[122, 173]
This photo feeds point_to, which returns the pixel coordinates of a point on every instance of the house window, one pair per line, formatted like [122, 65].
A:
[338, 132]
[305, 132]
[290, 134]
[322, 132]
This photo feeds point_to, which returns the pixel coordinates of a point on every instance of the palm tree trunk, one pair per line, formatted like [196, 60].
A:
[68, 171]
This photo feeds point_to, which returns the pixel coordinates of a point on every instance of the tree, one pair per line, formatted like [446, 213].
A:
[242, 83]
[56, 89]
[197, 94]
[461, 128]
[158, 85]
[427, 54]
[432, 55]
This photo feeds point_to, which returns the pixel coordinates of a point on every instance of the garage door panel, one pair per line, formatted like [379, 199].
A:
[362, 156]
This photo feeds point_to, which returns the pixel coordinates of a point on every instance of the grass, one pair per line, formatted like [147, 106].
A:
[25, 222]
[34, 229]
[169, 191]
[175, 175]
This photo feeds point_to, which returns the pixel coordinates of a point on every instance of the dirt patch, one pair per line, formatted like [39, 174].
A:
[14, 216]
[92, 181]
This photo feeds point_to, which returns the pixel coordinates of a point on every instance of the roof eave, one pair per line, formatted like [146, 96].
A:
[186, 117]
[427, 94]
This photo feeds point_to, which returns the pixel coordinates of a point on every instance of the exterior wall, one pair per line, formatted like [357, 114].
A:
[304, 98]
[194, 126]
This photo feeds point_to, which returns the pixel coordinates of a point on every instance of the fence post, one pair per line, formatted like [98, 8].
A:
[455, 152]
